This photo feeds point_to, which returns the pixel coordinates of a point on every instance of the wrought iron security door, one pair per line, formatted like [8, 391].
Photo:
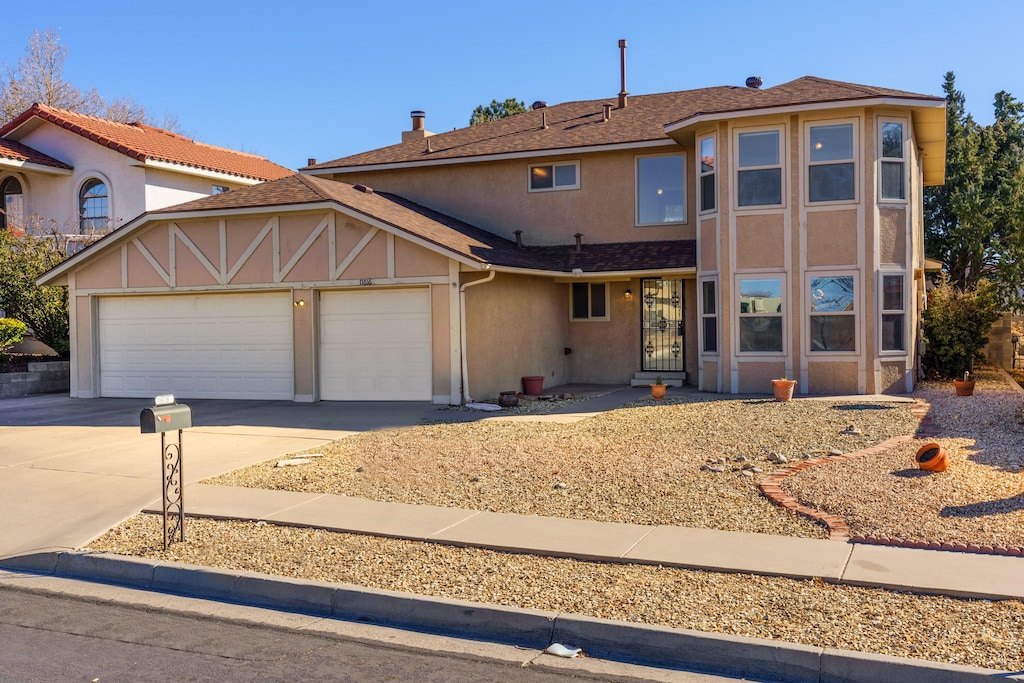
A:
[662, 326]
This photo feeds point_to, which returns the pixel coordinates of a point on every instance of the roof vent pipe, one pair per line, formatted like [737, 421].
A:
[311, 161]
[623, 95]
[544, 120]
[579, 242]
[607, 110]
[754, 82]
[519, 238]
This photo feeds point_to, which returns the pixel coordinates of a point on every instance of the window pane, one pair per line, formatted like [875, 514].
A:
[707, 155]
[707, 193]
[759, 149]
[541, 178]
[892, 140]
[760, 187]
[580, 300]
[711, 334]
[597, 300]
[762, 333]
[761, 296]
[892, 180]
[832, 143]
[892, 332]
[709, 298]
[892, 292]
[830, 294]
[565, 175]
[12, 203]
[830, 182]
[833, 333]
[660, 189]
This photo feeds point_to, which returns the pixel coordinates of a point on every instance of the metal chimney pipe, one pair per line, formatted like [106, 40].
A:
[418, 117]
[519, 238]
[623, 94]
[579, 241]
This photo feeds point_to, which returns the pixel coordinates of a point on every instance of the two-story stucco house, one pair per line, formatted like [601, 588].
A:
[722, 236]
[84, 176]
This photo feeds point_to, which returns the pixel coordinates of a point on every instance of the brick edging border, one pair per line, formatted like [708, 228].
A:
[838, 529]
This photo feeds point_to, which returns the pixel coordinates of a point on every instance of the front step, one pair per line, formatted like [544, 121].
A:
[646, 379]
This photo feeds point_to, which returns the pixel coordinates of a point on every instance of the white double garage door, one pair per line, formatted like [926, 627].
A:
[372, 345]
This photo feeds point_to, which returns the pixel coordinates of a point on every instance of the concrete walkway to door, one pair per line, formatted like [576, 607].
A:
[72, 468]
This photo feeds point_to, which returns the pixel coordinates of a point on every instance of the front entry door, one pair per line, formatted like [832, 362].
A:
[662, 326]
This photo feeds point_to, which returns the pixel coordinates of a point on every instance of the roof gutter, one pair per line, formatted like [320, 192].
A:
[462, 320]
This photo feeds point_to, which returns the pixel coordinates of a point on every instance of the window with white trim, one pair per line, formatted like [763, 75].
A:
[588, 301]
[759, 168]
[892, 174]
[661, 189]
[564, 175]
[833, 320]
[12, 203]
[93, 207]
[218, 189]
[830, 165]
[893, 312]
[709, 316]
[760, 315]
[707, 166]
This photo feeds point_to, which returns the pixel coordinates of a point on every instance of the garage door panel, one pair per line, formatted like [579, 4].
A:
[203, 346]
[376, 345]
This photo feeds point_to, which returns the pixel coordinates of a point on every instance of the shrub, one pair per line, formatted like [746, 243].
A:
[956, 325]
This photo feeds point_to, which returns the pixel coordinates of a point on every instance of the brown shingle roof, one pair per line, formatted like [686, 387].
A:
[582, 124]
[450, 233]
[9, 149]
[143, 142]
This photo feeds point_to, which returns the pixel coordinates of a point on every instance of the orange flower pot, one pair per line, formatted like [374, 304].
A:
[964, 387]
[658, 391]
[783, 389]
[932, 457]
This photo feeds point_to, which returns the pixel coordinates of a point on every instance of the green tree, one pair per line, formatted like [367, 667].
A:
[39, 77]
[974, 222]
[44, 309]
[957, 323]
[496, 110]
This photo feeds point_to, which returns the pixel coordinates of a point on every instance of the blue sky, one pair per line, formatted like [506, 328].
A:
[327, 79]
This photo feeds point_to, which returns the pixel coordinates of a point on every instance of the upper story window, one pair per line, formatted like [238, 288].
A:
[833, 323]
[760, 315]
[660, 189]
[830, 170]
[589, 301]
[560, 176]
[892, 176]
[759, 174]
[219, 189]
[93, 207]
[12, 204]
[893, 312]
[708, 191]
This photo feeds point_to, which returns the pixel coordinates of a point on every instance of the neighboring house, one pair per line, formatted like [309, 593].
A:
[722, 236]
[84, 176]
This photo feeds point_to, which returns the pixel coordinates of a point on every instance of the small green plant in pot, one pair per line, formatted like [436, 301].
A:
[658, 389]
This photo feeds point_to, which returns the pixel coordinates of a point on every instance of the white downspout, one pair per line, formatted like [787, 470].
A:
[462, 318]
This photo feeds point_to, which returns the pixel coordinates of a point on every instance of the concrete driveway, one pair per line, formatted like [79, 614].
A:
[72, 468]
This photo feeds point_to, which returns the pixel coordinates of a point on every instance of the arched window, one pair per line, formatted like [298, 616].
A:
[92, 207]
[12, 204]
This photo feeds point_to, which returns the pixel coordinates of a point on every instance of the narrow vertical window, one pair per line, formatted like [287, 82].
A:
[709, 316]
[760, 169]
[892, 167]
[12, 204]
[660, 189]
[893, 313]
[760, 315]
[830, 170]
[93, 208]
[708, 193]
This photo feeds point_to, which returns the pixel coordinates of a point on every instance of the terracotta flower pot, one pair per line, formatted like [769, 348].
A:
[533, 385]
[964, 387]
[658, 391]
[932, 457]
[783, 389]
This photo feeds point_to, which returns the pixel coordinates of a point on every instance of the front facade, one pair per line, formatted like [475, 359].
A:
[721, 237]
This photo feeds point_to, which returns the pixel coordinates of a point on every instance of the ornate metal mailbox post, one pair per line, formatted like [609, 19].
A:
[168, 416]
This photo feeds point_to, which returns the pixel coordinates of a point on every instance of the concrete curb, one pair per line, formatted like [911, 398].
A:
[536, 629]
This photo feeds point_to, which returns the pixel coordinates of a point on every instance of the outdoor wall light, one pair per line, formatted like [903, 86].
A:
[300, 303]
[628, 295]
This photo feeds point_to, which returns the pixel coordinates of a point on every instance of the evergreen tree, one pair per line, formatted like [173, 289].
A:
[496, 110]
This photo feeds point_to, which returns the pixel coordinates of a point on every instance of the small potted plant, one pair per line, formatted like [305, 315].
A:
[658, 389]
[965, 386]
[783, 388]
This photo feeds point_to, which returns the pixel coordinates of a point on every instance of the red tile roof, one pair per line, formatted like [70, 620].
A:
[9, 149]
[450, 233]
[582, 124]
[142, 142]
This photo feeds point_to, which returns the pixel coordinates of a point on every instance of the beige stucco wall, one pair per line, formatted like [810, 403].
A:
[832, 378]
[756, 377]
[892, 236]
[832, 238]
[494, 195]
[760, 241]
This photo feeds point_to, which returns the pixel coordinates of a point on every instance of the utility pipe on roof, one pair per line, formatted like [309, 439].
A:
[462, 316]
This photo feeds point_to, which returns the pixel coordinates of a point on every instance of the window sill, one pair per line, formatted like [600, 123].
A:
[659, 225]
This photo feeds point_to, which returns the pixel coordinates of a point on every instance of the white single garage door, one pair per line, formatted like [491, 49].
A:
[197, 346]
[375, 345]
